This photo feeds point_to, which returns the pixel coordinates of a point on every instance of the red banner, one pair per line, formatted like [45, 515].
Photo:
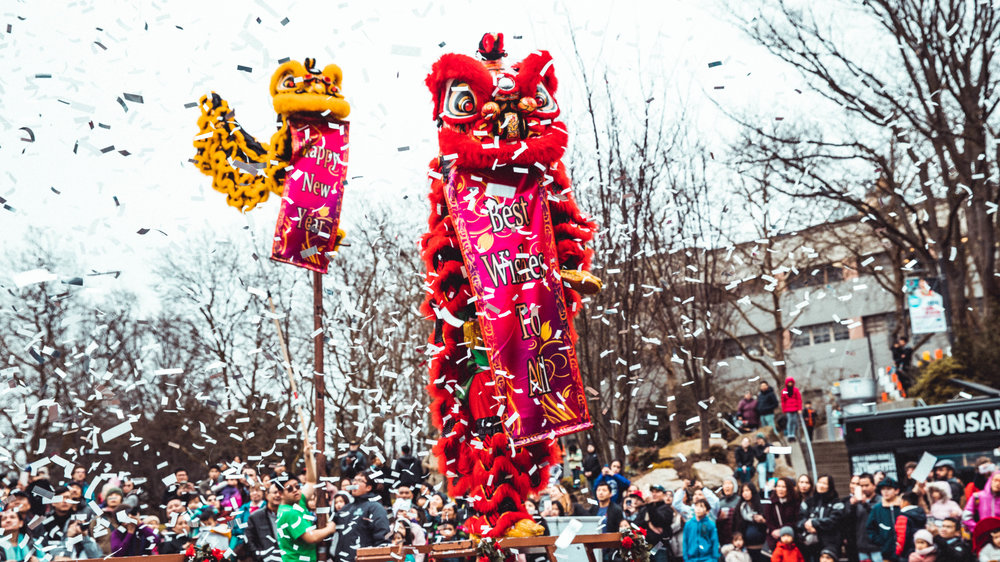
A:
[505, 232]
[314, 190]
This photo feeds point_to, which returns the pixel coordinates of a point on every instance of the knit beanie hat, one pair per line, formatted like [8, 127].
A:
[786, 530]
[829, 552]
[923, 535]
[112, 491]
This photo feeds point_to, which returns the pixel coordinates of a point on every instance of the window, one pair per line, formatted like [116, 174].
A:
[840, 332]
[817, 276]
[876, 323]
[820, 333]
[802, 339]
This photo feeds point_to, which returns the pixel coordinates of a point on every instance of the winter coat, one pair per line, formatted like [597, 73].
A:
[929, 554]
[140, 543]
[618, 483]
[981, 504]
[946, 506]
[612, 519]
[365, 523]
[859, 513]
[754, 534]
[701, 540]
[407, 471]
[767, 401]
[786, 553]
[791, 400]
[592, 464]
[989, 553]
[747, 409]
[352, 463]
[655, 518]
[881, 530]
[745, 457]
[779, 514]
[730, 554]
[725, 514]
[953, 550]
[910, 520]
[827, 513]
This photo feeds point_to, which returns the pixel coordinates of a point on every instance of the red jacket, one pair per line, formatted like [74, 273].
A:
[790, 402]
[786, 553]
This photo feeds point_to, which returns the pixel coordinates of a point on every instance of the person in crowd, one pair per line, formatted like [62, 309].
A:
[902, 356]
[747, 411]
[749, 521]
[366, 523]
[701, 540]
[407, 469]
[745, 456]
[297, 535]
[574, 458]
[176, 539]
[213, 483]
[353, 462]
[684, 500]
[785, 550]
[859, 504]
[881, 527]
[591, 465]
[532, 508]
[985, 503]
[53, 527]
[607, 509]
[984, 468]
[782, 511]
[827, 555]
[76, 542]
[631, 506]
[131, 537]
[990, 552]
[178, 487]
[924, 549]
[15, 542]
[241, 519]
[212, 533]
[656, 517]
[725, 510]
[767, 402]
[822, 520]
[735, 551]
[950, 544]
[79, 477]
[612, 476]
[940, 502]
[765, 460]
[880, 475]
[791, 405]
[804, 487]
[911, 518]
[944, 471]
[809, 418]
[908, 483]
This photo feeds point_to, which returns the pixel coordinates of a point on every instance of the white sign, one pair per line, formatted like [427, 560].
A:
[924, 467]
[874, 462]
[926, 307]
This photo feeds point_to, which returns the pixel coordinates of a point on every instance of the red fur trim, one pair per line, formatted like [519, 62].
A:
[453, 65]
[474, 154]
[529, 73]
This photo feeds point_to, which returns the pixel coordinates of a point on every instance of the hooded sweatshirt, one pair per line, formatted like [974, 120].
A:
[791, 398]
[910, 520]
[981, 505]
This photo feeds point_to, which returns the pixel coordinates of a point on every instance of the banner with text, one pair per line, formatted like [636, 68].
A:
[314, 191]
[505, 231]
[926, 304]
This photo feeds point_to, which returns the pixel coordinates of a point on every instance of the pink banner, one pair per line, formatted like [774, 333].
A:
[505, 231]
[314, 190]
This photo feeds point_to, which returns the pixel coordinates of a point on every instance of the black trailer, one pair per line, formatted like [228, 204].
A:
[962, 431]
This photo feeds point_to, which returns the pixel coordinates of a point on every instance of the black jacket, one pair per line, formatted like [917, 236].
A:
[916, 519]
[407, 471]
[767, 401]
[361, 524]
[659, 515]
[953, 550]
[858, 514]
[352, 463]
[745, 457]
[827, 513]
[592, 464]
[612, 519]
[262, 543]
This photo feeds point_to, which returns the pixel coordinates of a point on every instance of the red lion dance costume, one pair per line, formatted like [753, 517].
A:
[499, 180]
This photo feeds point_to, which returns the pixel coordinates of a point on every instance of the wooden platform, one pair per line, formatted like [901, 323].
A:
[467, 549]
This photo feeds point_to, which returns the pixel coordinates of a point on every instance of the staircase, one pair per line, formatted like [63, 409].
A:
[831, 458]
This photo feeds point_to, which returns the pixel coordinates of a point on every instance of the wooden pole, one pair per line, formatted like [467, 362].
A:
[288, 368]
[320, 384]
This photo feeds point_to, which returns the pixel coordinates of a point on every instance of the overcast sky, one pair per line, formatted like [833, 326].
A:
[64, 70]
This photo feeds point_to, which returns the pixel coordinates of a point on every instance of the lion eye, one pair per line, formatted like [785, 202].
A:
[546, 103]
[289, 82]
[460, 101]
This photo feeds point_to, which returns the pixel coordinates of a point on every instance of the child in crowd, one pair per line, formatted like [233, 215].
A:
[212, 533]
[991, 550]
[828, 555]
[736, 552]
[786, 551]
[923, 547]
